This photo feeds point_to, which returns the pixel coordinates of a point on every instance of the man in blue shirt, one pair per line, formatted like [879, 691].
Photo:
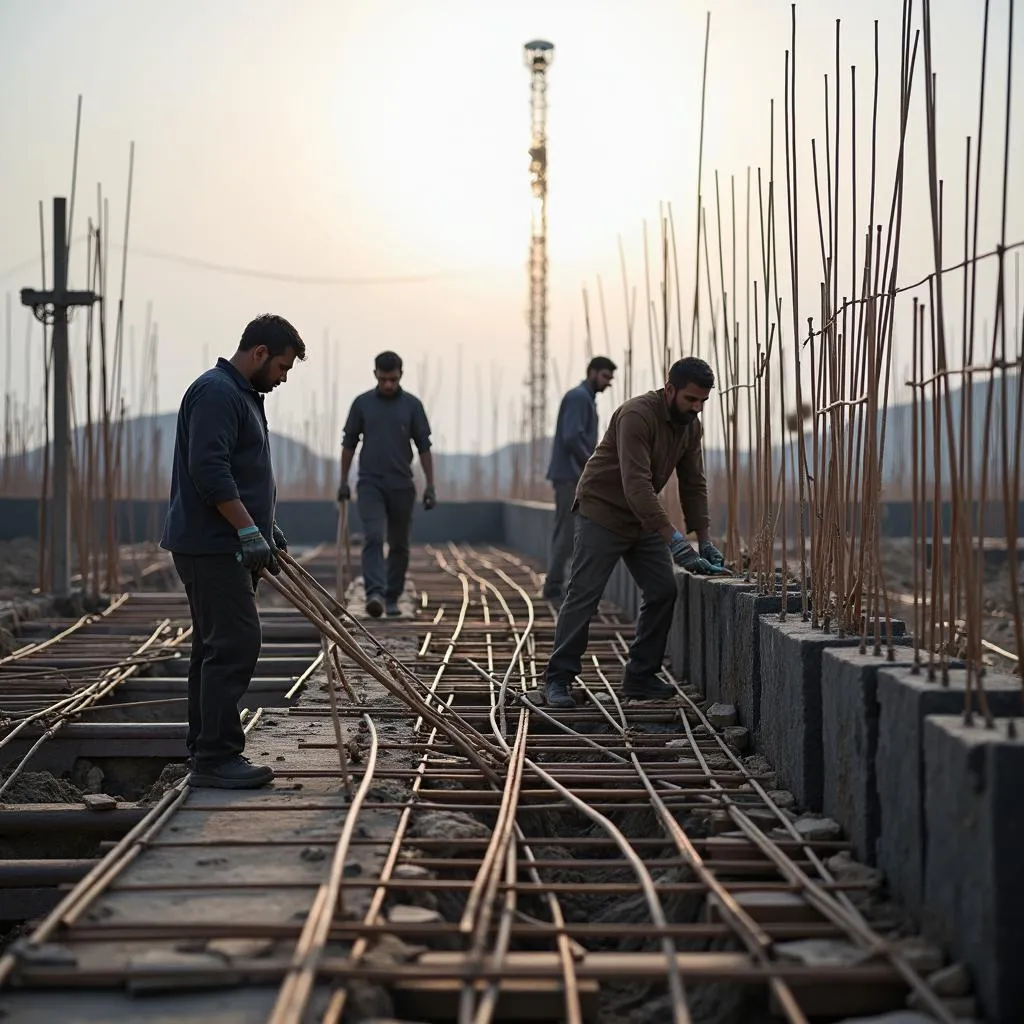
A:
[221, 531]
[389, 420]
[574, 443]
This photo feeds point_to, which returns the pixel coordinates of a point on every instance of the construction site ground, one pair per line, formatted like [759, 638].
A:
[635, 863]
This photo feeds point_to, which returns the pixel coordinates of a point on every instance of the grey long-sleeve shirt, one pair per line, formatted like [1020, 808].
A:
[221, 452]
[388, 428]
[575, 435]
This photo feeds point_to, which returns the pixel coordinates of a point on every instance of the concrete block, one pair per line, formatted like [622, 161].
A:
[849, 730]
[974, 887]
[790, 716]
[678, 640]
[740, 681]
[904, 699]
[720, 632]
[695, 632]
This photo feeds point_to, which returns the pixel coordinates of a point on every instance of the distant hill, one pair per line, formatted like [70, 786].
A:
[145, 436]
[297, 467]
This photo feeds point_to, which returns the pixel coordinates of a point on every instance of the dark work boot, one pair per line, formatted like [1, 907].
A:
[558, 694]
[392, 609]
[375, 606]
[646, 689]
[237, 773]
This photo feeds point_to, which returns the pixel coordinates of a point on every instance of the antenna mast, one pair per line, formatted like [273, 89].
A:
[538, 55]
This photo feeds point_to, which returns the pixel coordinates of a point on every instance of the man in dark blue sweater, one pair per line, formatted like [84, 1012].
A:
[574, 443]
[389, 420]
[221, 531]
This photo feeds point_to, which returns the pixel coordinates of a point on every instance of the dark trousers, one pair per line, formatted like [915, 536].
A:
[561, 540]
[226, 640]
[594, 555]
[385, 514]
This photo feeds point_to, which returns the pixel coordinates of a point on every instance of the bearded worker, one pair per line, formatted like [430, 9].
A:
[619, 515]
[221, 531]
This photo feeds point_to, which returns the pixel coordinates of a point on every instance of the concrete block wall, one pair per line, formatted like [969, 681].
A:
[868, 741]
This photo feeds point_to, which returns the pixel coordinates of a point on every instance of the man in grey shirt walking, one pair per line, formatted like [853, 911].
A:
[389, 420]
[574, 443]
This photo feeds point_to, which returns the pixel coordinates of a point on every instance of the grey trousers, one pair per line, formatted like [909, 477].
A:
[561, 540]
[594, 555]
[385, 514]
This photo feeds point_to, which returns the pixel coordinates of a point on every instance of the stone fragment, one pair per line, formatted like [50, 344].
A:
[757, 764]
[950, 981]
[676, 744]
[822, 952]
[243, 949]
[99, 801]
[718, 763]
[352, 869]
[782, 799]
[94, 780]
[923, 956]
[389, 949]
[721, 716]
[737, 736]
[411, 871]
[406, 914]
[814, 829]
[846, 869]
[690, 762]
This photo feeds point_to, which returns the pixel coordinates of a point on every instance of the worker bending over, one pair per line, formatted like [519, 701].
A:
[221, 532]
[387, 419]
[619, 515]
[575, 439]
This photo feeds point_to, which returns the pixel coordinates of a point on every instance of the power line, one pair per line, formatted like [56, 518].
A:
[265, 275]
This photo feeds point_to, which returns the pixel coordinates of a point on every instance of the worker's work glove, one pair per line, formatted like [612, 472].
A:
[344, 493]
[280, 540]
[256, 554]
[429, 497]
[685, 557]
[711, 554]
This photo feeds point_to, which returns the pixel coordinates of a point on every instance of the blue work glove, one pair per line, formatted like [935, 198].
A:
[685, 557]
[280, 540]
[256, 554]
[429, 497]
[711, 554]
[344, 493]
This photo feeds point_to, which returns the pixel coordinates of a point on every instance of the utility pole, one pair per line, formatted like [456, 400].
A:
[538, 55]
[52, 308]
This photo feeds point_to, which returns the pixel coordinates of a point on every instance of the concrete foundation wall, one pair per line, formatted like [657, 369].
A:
[854, 736]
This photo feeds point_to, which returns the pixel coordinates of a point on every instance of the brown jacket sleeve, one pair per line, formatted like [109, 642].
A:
[693, 487]
[633, 440]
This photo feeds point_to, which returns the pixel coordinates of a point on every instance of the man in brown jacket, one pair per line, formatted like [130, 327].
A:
[619, 515]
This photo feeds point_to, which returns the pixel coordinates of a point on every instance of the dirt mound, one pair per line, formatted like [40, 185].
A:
[40, 788]
[171, 775]
[452, 825]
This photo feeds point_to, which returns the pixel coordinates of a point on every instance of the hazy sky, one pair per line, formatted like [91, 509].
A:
[388, 139]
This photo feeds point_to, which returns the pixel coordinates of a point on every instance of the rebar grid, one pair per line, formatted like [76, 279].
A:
[553, 801]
